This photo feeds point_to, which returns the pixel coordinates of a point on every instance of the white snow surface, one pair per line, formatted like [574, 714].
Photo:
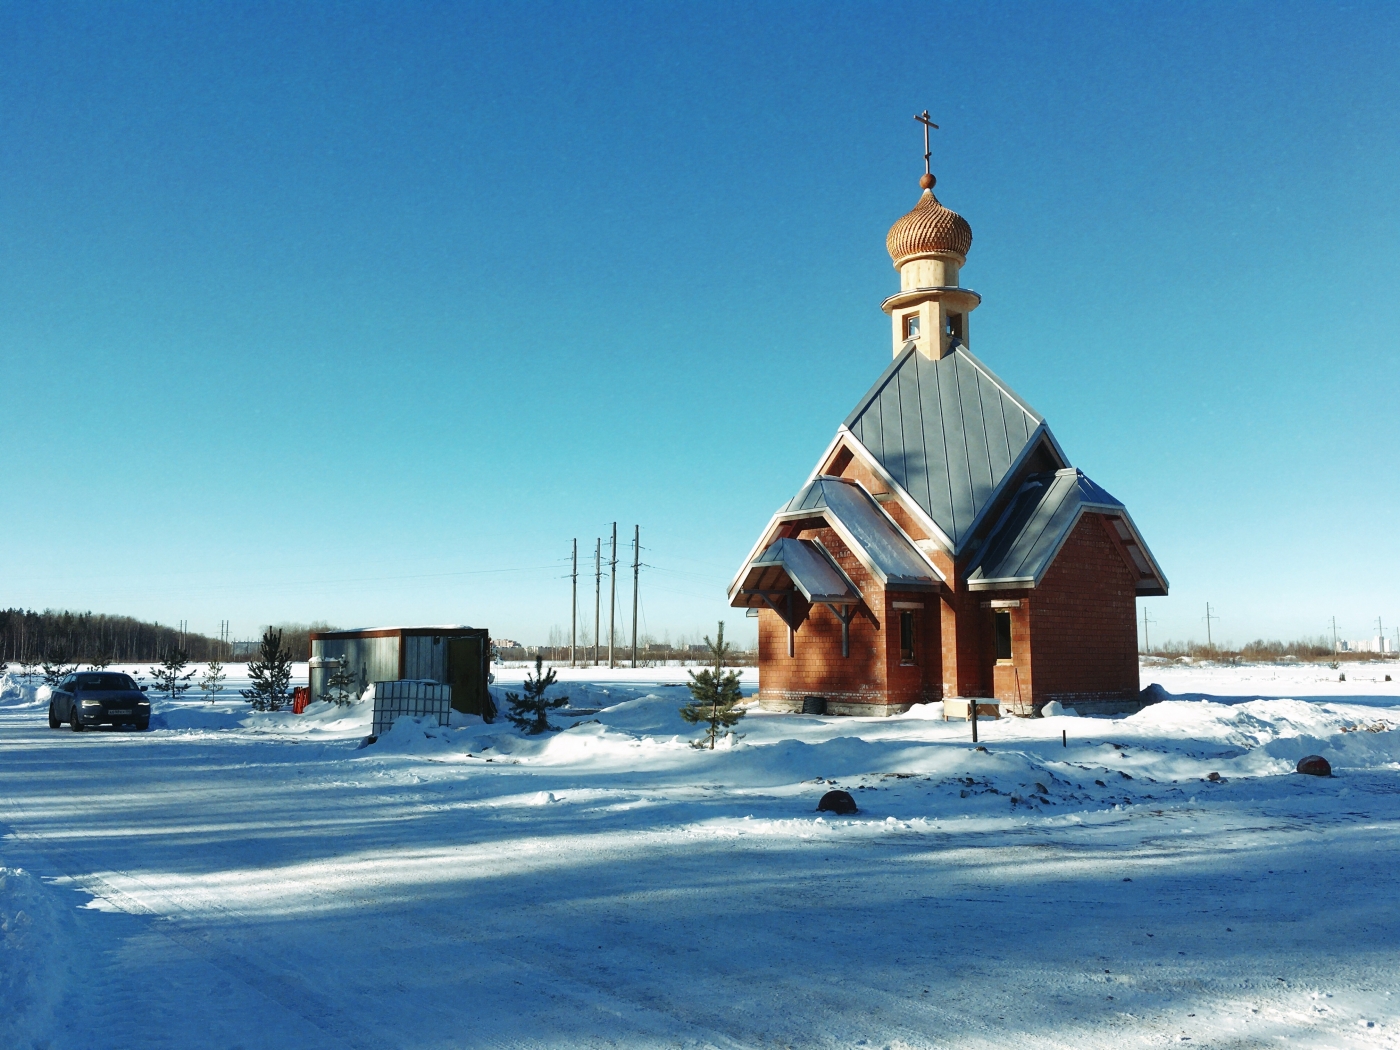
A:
[234, 879]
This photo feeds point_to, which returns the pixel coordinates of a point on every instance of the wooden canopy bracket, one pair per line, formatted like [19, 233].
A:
[844, 614]
[783, 607]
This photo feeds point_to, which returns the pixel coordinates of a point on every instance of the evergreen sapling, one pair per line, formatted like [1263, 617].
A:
[167, 674]
[341, 685]
[56, 668]
[270, 674]
[531, 711]
[714, 696]
[213, 679]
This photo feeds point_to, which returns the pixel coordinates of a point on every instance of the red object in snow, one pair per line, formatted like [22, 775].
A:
[301, 696]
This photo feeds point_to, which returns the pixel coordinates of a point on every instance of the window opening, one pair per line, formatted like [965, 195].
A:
[955, 327]
[911, 326]
[906, 637]
[1003, 631]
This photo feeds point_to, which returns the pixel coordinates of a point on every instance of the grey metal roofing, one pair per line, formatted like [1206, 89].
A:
[948, 431]
[1038, 520]
[810, 569]
[856, 513]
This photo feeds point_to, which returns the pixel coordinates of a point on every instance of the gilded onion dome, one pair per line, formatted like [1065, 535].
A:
[929, 228]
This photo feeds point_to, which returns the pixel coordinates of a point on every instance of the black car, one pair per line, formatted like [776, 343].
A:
[94, 698]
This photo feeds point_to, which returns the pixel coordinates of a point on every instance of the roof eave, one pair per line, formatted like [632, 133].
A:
[1005, 583]
[1146, 553]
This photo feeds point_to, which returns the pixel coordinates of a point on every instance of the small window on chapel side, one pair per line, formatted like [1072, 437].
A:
[906, 637]
[955, 327]
[911, 326]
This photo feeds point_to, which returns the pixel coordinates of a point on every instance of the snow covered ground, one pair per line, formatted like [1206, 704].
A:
[231, 879]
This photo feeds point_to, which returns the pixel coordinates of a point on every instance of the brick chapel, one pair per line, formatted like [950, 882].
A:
[943, 547]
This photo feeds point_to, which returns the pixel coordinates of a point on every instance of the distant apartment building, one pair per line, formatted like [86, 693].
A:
[1377, 644]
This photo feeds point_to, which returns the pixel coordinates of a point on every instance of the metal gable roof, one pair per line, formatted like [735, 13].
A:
[948, 432]
[1037, 522]
[855, 513]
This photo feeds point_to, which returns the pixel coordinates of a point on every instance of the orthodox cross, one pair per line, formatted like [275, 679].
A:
[923, 119]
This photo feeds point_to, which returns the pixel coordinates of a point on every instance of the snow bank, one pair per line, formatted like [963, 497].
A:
[35, 938]
[19, 691]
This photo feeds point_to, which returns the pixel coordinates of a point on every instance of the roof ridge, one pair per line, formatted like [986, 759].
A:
[1000, 383]
[878, 387]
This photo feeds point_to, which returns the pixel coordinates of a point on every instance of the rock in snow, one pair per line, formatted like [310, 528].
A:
[837, 802]
[1314, 766]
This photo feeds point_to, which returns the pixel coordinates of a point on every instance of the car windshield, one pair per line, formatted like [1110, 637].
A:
[91, 683]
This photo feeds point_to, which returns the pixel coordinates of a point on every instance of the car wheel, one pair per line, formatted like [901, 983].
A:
[144, 723]
[54, 723]
[73, 721]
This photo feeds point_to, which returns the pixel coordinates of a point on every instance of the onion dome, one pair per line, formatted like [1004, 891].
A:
[929, 228]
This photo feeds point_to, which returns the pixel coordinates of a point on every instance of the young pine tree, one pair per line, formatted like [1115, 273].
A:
[213, 679]
[714, 696]
[56, 667]
[167, 674]
[270, 674]
[531, 711]
[341, 686]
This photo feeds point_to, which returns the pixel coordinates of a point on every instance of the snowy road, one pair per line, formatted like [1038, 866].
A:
[233, 880]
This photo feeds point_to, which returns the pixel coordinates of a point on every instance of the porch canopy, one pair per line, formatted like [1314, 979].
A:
[789, 568]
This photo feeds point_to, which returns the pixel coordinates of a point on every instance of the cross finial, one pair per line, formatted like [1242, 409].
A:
[923, 118]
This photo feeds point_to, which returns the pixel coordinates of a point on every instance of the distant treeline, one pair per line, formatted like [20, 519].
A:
[68, 637]
[1261, 651]
[28, 637]
[649, 656]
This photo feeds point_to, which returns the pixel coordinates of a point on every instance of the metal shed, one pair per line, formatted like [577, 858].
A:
[456, 656]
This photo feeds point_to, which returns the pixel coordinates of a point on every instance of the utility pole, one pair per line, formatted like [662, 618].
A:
[612, 599]
[597, 596]
[573, 610]
[1147, 641]
[1209, 616]
[1380, 637]
[636, 570]
[1334, 634]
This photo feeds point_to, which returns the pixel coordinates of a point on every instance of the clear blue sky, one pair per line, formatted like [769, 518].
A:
[361, 312]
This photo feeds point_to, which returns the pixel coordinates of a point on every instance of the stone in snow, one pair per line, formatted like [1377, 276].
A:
[1315, 766]
[837, 802]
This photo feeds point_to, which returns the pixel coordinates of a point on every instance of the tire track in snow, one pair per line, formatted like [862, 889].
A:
[262, 976]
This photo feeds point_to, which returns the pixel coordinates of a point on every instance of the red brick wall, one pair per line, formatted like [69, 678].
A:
[922, 680]
[873, 672]
[969, 648]
[817, 667]
[1083, 621]
[1013, 679]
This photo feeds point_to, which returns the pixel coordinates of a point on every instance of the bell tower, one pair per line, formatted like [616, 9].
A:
[929, 247]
